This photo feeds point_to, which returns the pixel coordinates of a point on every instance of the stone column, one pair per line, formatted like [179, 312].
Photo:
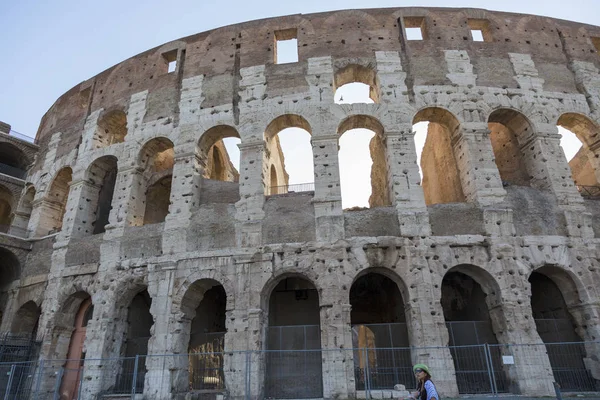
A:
[336, 342]
[514, 326]
[475, 159]
[236, 358]
[427, 330]
[587, 321]
[329, 217]
[252, 195]
[404, 179]
[103, 341]
[548, 165]
[127, 203]
[184, 198]
[168, 336]
[81, 209]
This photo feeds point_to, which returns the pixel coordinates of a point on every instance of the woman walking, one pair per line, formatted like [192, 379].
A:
[425, 387]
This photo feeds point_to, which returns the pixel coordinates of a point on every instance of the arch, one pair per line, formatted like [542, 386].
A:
[352, 178]
[293, 324]
[286, 121]
[351, 74]
[101, 176]
[211, 277]
[13, 161]
[156, 155]
[6, 208]
[288, 157]
[558, 319]
[570, 286]
[510, 131]
[584, 165]
[194, 294]
[442, 178]
[270, 285]
[213, 155]
[52, 218]
[26, 319]
[111, 129]
[10, 268]
[158, 200]
[73, 366]
[388, 273]
[469, 294]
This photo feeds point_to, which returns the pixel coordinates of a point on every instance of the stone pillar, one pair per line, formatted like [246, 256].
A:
[336, 342]
[184, 198]
[329, 217]
[587, 325]
[128, 202]
[103, 341]
[427, 330]
[236, 357]
[475, 159]
[550, 170]
[252, 195]
[514, 326]
[168, 336]
[81, 209]
[404, 179]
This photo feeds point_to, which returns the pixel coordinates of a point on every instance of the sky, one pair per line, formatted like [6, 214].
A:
[49, 47]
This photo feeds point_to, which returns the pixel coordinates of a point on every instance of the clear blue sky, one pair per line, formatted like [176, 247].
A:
[48, 47]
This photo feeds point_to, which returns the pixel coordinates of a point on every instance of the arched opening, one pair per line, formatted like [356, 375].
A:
[509, 132]
[26, 319]
[10, 271]
[579, 136]
[466, 306]
[55, 205]
[556, 327]
[20, 223]
[294, 370]
[139, 323]
[69, 388]
[439, 168]
[218, 154]
[6, 209]
[100, 177]
[158, 200]
[288, 156]
[363, 163]
[379, 333]
[355, 84]
[112, 128]
[13, 161]
[156, 159]
[204, 306]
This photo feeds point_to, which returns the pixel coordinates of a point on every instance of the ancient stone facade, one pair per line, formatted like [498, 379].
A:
[138, 225]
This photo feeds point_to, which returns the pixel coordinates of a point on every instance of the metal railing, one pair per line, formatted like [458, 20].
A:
[589, 192]
[480, 370]
[21, 136]
[295, 188]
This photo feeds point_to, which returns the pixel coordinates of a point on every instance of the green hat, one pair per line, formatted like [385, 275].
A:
[423, 367]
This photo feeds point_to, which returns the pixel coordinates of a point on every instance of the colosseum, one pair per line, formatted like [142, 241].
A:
[138, 261]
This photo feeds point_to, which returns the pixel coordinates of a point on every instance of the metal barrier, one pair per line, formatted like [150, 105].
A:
[296, 188]
[21, 136]
[480, 370]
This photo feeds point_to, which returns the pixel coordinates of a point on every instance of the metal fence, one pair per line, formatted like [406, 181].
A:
[480, 370]
[22, 136]
[296, 188]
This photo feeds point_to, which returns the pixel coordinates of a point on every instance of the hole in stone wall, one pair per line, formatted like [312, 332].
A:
[355, 84]
[477, 35]
[52, 217]
[480, 30]
[414, 28]
[170, 61]
[286, 46]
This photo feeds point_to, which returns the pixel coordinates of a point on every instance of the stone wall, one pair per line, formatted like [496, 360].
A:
[487, 101]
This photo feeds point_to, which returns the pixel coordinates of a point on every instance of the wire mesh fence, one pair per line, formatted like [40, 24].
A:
[367, 372]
